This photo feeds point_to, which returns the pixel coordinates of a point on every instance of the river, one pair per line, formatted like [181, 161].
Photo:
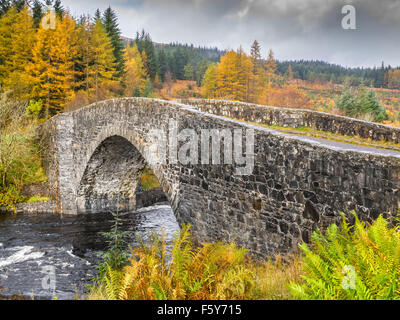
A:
[43, 256]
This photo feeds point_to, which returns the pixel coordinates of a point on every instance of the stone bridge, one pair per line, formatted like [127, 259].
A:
[95, 155]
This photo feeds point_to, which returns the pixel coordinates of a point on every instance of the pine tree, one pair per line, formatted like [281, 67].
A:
[255, 54]
[178, 64]
[144, 43]
[19, 4]
[83, 59]
[162, 64]
[189, 72]
[151, 57]
[37, 12]
[258, 79]
[97, 15]
[110, 23]
[270, 67]
[5, 5]
[58, 8]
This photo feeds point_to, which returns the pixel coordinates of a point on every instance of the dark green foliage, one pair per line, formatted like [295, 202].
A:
[5, 5]
[163, 58]
[97, 15]
[174, 57]
[37, 12]
[110, 23]
[144, 43]
[58, 8]
[136, 92]
[162, 64]
[19, 4]
[364, 103]
[148, 90]
[117, 253]
[178, 62]
[323, 71]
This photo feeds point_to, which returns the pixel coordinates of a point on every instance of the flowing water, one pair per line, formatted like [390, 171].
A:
[43, 256]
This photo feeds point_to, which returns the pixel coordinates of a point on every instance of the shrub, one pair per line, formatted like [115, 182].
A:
[34, 108]
[361, 104]
[352, 262]
[9, 197]
[117, 253]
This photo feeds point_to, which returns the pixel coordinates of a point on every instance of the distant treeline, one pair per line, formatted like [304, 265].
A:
[324, 72]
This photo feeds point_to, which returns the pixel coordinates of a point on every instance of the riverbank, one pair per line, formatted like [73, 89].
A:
[32, 207]
[144, 198]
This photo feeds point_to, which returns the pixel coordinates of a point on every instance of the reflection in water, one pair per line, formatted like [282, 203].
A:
[32, 246]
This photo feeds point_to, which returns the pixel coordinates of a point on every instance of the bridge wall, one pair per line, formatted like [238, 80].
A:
[287, 117]
[295, 185]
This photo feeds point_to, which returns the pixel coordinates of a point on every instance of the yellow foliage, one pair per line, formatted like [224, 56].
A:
[52, 71]
[288, 96]
[210, 82]
[212, 271]
[135, 73]
[16, 42]
[102, 69]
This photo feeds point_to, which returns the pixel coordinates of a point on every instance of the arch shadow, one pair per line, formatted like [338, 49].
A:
[111, 177]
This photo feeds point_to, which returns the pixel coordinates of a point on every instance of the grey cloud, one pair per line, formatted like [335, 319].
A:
[308, 29]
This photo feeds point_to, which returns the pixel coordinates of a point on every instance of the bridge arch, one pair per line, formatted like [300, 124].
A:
[110, 178]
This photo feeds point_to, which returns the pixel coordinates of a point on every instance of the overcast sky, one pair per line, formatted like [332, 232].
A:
[293, 29]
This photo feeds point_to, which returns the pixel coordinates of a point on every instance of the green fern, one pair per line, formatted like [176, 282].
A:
[371, 254]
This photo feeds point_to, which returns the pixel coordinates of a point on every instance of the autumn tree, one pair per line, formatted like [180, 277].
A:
[209, 84]
[52, 71]
[19, 54]
[232, 75]
[393, 79]
[135, 76]
[6, 34]
[289, 73]
[102, 68]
